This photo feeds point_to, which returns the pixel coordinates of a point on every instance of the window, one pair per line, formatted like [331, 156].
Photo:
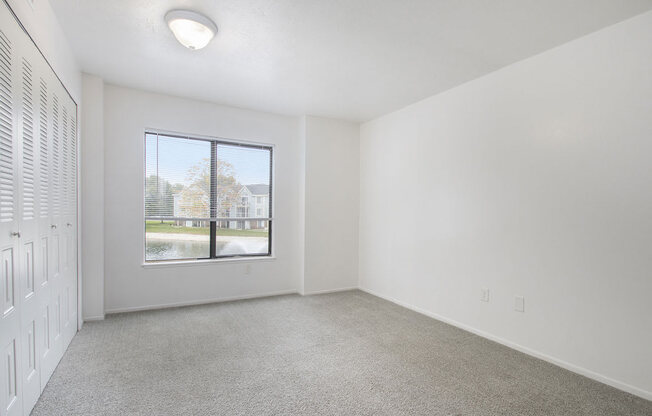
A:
[259, 199]
[194, 208]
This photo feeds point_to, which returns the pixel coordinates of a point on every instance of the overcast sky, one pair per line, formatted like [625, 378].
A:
[176, 156]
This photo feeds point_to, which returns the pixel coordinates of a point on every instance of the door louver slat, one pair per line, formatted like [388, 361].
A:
[6, 126]
[28, 210]
[43, 150]
[55, 156]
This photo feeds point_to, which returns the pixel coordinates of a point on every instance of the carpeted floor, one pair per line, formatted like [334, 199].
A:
[347, 353]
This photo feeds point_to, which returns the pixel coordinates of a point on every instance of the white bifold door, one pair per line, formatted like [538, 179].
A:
[38, 219]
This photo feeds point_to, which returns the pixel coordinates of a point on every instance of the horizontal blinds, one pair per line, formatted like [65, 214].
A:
[178, 178]
[206, 180]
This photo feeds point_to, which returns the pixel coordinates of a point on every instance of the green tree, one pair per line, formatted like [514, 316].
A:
[159, 200]
[195, 197]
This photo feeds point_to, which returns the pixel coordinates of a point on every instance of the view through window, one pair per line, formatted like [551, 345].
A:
[206, 198]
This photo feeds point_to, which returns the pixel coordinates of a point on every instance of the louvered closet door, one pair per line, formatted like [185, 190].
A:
[30, 291]
[47, 357]
[70, 290]
[68, 219]
[53, 309]
[10, 146]
[38, 199]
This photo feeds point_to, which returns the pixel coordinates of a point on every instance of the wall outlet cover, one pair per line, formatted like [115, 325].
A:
[519, 304]
[484, 295]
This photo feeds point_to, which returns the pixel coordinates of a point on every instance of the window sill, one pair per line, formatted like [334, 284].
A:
[207, 261]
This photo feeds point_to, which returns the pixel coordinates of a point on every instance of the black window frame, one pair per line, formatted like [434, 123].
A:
[213, 198]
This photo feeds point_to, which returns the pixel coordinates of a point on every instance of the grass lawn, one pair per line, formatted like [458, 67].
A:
[169, 227]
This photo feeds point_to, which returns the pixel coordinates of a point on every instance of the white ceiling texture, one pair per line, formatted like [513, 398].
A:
[348, 59]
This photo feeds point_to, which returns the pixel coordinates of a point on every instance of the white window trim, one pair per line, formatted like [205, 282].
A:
[204, 262]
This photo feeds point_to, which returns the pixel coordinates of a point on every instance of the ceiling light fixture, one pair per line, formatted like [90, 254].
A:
[192, 30]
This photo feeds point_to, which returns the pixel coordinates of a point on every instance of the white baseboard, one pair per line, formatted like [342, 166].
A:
[322, 292]
[93, 318]
[560, 363]
[199, 302]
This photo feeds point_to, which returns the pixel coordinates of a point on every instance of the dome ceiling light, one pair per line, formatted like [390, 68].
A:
[192, 30]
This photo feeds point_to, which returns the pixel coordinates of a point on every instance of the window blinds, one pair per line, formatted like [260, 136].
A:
[206, 180]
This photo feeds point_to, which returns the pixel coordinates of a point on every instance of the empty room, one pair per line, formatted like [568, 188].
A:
[326, 207]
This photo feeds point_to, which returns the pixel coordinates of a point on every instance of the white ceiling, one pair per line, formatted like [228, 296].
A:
[349, 59]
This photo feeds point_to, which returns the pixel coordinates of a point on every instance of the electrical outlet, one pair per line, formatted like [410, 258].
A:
[484, 295]
[519, 304]
[248, 269]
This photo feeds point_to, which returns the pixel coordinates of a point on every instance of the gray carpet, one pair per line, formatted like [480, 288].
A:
[348, 353]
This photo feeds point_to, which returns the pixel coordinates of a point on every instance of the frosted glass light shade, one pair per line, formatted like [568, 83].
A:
[192, 30]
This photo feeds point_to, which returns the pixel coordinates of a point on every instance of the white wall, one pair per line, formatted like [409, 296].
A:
[43, 26]
[92, 185]
[129, 285]
[534, 180]
[301, 217]
[332, 160]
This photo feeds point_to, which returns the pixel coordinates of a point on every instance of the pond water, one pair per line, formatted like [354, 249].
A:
[174, 249]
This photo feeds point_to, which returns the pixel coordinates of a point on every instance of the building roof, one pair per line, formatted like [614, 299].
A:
[258, 189]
